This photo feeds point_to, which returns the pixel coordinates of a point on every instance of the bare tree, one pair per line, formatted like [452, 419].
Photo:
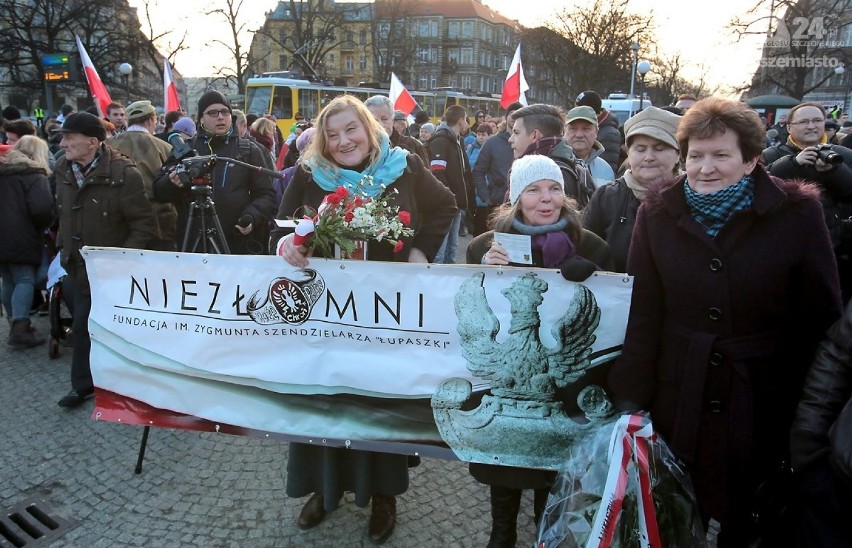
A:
[804, 42]
[316, 28]
[393, 47]
[554, 57]
[604, 31]
[238, 71]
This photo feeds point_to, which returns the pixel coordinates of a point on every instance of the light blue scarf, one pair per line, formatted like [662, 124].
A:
[385, 171]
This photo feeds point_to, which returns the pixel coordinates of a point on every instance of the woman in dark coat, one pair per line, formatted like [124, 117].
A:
[652, 155]
[26, 209]
[347, 145]
[735, 283]
[539, 208]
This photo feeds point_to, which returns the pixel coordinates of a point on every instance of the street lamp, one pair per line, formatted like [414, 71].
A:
[642, 68]
[635, 48]
[840, 71]
[126, 69]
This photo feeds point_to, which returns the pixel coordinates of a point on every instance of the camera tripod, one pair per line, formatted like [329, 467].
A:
[203, 232]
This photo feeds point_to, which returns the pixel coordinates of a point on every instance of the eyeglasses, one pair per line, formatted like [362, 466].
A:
[217, 113]
[815, 121]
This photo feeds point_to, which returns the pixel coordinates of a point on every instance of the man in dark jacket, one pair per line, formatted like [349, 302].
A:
[244, 198]
[101, 201]
[806, 155]
[608, 134]
[491, 172]
[537, 129]
[448, 162]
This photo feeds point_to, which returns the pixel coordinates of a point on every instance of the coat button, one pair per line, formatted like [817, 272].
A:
[714, 314]
[716, 359]
[714, 406]
[715, 265]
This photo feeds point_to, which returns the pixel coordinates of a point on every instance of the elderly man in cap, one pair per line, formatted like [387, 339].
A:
[608, 133]
[101, 200]
[400, 122]
[244, 197]
[581, 132]
[149, 153]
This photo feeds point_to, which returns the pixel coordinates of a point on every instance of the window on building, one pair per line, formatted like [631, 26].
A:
[283, 62]
[350, 64]
[451, 81]
[467, 29]
[350, 36]
[466, 57]
[453, 30]
[433, 81]
[466, 82]
[423, 28]
[362, 39]
[453, 55]
[423, 82]
[433, 26]
[363, 63]
[487, 33]
[383, 30]
[282, 36]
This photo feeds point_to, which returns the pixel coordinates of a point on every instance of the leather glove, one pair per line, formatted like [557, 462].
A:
[577, 269]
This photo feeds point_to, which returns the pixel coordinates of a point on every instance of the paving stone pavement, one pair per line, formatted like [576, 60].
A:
[196, 489]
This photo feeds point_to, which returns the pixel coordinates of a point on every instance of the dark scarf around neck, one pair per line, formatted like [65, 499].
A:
[550, 240]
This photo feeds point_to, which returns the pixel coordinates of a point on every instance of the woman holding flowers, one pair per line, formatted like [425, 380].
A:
[350, 150]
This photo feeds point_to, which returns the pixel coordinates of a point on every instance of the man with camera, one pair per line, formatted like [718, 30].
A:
[244, 198]
[806, 155]
[140, 145]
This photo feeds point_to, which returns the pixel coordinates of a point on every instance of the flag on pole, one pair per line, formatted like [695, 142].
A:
[96, 88]
[399, 96]
[171, 101]
[515, 87]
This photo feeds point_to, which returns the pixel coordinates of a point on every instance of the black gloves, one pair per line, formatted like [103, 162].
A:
[577, 269]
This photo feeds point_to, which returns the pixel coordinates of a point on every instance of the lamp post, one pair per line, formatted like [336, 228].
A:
[840, 71]
[642, 68]
[126, 69]
[635, 48]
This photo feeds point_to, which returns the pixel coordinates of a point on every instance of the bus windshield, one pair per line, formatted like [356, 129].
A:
[257, 100]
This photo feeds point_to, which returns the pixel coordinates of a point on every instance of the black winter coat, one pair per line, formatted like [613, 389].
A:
[610, 137]
[611, 214]
[26, 208]
[448, 161]
[237, 191]
[491, 171]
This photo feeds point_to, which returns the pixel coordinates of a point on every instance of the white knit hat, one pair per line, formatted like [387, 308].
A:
[531, 169]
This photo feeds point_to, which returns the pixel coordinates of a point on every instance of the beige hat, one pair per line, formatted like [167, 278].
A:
[582, 113]
[654, 122]
[140, 109]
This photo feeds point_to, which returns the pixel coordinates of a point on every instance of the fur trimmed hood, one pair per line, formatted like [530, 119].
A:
[768, 189]
[17, 163]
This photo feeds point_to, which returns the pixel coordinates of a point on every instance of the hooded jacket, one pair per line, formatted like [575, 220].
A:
[26, 208]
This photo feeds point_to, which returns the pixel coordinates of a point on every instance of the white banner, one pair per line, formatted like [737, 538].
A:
[221, 337]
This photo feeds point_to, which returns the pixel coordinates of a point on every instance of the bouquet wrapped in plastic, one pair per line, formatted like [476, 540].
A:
[621, 487]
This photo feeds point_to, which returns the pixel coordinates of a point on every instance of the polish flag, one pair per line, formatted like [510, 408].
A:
[399, 96]
[171, 101]
[96, 88]
[515, 87]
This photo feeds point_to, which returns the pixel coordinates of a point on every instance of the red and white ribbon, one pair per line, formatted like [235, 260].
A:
[630, 442]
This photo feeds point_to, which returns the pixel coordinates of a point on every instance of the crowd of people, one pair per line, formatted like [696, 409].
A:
[738, 238]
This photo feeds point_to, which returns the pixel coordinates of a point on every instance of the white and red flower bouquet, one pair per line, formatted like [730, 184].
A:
[346, 219]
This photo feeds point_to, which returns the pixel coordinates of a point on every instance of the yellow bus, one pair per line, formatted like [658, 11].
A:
[284, 97]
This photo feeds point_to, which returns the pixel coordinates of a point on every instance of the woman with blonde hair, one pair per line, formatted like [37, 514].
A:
[348, 145]
[26, 208]
[263, 131]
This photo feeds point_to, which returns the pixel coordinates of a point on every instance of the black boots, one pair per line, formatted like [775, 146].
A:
[382, 518]
[23, 335]
[505, 504]
[312, 513]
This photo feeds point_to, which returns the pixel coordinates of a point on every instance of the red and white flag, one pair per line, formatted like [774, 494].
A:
[171, 101]
[399, 96]
[96, 88]
[515, 87]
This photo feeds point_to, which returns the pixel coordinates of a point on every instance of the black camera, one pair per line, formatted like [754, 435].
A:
[196, 170]
[827, 155]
